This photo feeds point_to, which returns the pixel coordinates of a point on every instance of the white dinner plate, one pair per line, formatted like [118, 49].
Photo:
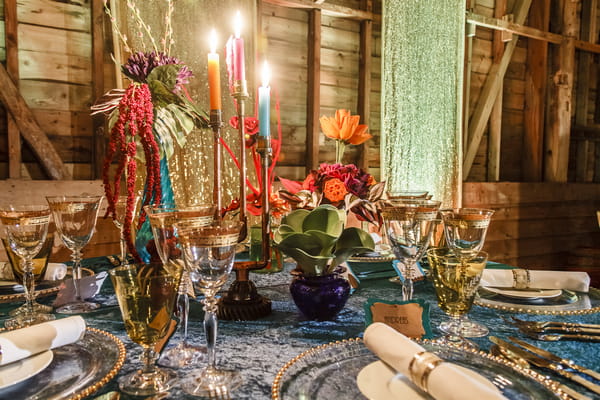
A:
[374, 382]
[525, 294]
[18, 371]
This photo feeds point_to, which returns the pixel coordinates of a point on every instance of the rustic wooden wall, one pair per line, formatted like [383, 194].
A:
[537, 224]
[54, 42]
[286, 31]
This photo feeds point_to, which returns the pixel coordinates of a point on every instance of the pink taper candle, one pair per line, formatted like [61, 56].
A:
[239, 73]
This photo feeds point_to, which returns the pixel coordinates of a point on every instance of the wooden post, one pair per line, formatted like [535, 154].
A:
[556, 159]
[495, 132]
[587, 33]
[536, 76]
[313, 90]
[98, 136]
[12, 67]
[364, 80]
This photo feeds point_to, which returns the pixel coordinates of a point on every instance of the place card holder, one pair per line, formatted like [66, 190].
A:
[410, 318]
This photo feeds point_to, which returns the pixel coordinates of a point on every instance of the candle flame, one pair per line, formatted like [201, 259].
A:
[213, 41]
[237, 24]
[266, 74]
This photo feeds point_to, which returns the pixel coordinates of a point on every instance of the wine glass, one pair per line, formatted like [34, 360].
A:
[209, 253]
[408, 226]
[455, 281]
[75, 219]
[146, 296]
[465, 229]
[26, 227]
[162, 217]
[121, 216]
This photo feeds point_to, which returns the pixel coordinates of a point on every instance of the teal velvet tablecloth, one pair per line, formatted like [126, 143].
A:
[258, 349]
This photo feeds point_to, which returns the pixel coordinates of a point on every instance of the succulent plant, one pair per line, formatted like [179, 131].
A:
[317, 239]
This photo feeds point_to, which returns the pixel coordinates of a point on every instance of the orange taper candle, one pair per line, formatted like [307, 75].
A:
[214, 77]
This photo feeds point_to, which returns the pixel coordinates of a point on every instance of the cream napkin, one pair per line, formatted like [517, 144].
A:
[570, 280]
[54, 272]
[25, 342]
[446, 381]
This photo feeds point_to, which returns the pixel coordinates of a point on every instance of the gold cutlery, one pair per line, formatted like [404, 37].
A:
[521, 362]
[545, 324]
[555, 358]
[559, 329]
[544, 363]
[555, 337]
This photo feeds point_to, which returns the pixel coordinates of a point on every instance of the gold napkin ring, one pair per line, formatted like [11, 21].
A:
[420, 368]
[521, 278]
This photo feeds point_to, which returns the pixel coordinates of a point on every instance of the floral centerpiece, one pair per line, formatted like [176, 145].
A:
[146, 120]
[319, 242]
[341, 185]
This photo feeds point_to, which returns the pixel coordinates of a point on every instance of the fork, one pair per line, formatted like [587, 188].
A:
[218, 392]
[546, 324]
[555, 337]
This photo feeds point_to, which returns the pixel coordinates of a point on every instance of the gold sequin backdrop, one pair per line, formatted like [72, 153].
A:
[191, 168]
[421, 100]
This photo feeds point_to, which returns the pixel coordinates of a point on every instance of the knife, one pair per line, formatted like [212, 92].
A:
[555, 358]
[543, 363]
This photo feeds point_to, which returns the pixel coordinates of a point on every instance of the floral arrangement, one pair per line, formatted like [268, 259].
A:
[146, 119]
[341, 185]
[318, 241]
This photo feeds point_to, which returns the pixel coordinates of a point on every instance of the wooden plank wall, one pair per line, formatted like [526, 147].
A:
[286, 31]
[55, 79]
[537, 224]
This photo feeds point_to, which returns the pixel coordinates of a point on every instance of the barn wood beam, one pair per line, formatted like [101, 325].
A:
[558, 132]
[489, 93]
[364, 81]
[12, 67]
[495, 134]
[536, 76]
[31, 131]
[98, 136]
[313, 105]
[331, 10]
[587, 32]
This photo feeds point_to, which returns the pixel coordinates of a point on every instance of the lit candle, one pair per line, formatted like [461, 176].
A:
[239, 74]
[264, 103]
[214, 78]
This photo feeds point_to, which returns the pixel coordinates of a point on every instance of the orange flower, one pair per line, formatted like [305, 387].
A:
[345, 127]
[334, 190]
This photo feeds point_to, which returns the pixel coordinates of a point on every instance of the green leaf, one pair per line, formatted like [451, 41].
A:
[185, 122]
[166, 74]
[352, 241]
[325, 218]
[282, 232]
[296, 241]
[326, 241]
[295, 219]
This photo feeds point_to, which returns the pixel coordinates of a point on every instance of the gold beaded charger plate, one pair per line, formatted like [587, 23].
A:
[330, 371]
[566, 303]
[76, 371]
[13, 291]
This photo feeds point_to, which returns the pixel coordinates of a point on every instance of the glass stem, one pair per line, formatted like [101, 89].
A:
[123, 244]
[183, 307]
[148, 358]
[407, 284]
[76, 257]
[28, 284]
[210, 328]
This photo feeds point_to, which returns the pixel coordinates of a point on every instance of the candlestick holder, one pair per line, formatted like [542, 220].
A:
[216, 122]
[242, 301]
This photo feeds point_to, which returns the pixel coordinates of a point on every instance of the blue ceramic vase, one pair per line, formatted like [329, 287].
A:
[320, 297]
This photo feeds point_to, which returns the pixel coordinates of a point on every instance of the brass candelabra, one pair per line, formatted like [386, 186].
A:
[242, 301]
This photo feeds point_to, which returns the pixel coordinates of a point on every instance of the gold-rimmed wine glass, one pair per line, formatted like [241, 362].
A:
[465, 230]
[455, 281]
[75, 219]
[162, 218]
[26, 228]
[146, 296]
[209, 254]
[408, 226]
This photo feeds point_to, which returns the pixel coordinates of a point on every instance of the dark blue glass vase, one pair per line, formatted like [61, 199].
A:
[320, 297]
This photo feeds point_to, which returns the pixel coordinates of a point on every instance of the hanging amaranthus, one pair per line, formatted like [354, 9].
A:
[134, 123]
